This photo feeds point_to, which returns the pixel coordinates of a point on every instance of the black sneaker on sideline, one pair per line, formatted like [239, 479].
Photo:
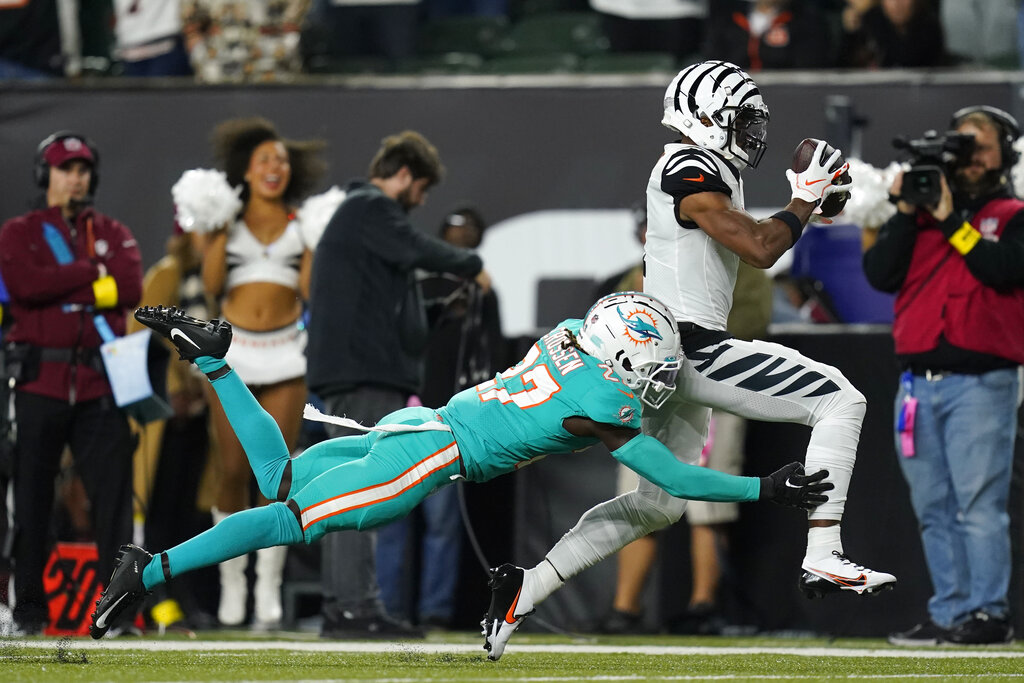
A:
[620, 622]
[982, 629]
[378, 627]
[925, 634]
[191, 336]
[124, 592]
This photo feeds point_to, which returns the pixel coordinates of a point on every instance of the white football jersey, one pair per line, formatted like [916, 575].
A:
[693, 274]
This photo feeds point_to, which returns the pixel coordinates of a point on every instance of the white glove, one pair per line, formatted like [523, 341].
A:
[816, 183]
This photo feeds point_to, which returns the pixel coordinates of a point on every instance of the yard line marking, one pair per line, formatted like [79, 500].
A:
[566, 648]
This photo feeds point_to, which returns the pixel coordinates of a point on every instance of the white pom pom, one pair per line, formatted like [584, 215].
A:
[203, 200]
[869, 204]
[1017, 172]
[316, 212]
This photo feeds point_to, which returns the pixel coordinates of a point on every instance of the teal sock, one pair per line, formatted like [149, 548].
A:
[256, 430]
[238, 534]
[208, 364]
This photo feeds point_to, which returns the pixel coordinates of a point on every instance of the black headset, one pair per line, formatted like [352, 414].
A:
[41, 169]
[1009, 129]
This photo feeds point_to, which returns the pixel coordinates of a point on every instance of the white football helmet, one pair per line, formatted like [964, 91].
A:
[637, 336]
[718, 106]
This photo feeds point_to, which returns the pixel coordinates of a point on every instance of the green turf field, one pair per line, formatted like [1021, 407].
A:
[458, 657]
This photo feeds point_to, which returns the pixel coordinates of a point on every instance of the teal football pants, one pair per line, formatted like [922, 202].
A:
[353, 482]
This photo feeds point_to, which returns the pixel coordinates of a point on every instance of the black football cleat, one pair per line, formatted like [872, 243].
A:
[191, 336]
[124, 591]
[839, 573]
[509, 606]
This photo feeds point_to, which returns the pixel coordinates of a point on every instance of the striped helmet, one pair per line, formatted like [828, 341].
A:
[718, 106]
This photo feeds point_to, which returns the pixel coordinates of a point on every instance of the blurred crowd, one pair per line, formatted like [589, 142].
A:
[218, 41]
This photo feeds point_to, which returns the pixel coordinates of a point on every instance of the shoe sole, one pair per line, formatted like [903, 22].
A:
[825, 587]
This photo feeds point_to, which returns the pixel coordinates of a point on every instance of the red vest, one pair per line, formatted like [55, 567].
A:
[940, 296]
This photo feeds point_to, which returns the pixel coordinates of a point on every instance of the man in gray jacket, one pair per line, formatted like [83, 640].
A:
[367, 335]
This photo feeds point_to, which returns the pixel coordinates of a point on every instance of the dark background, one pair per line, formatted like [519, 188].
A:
[514, 145]
[566, 143]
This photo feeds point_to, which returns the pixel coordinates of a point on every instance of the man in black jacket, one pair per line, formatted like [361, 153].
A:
[367, 336]
[958, 269]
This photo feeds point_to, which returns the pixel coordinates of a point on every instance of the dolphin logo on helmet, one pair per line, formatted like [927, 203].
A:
[636, 336]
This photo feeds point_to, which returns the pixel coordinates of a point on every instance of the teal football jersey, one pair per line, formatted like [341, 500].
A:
[505, 423]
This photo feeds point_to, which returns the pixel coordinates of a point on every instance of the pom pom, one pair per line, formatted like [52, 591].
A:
[316, 212]
[868, 205]
[203, 200]
[1017, 172]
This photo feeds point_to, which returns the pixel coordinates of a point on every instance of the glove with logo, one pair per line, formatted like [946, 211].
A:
[820, 176]
[790, 486]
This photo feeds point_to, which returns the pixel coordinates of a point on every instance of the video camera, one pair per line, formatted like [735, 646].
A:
[930, 156]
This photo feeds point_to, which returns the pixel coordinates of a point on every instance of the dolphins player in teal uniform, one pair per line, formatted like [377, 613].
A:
[582, 383]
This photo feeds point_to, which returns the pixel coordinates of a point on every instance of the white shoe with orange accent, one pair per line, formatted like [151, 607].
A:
[839, 573]
[509, 606]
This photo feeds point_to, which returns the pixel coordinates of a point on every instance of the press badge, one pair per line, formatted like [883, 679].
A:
[905, 421]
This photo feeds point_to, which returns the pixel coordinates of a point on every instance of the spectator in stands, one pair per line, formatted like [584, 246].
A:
[30, 40]
[255, 41]
[435, 9]
[364, 283]
[769, 34]
[73, 273]
[891, 33]
[981, 31]
[386, 29]
[258, 269]
[673, 26]
[465, 348]
[149, 38]
[956, 264]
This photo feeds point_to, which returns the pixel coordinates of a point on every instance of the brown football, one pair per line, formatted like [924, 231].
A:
[802, 155]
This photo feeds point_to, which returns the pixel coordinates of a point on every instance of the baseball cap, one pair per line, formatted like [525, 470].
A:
[63, 150]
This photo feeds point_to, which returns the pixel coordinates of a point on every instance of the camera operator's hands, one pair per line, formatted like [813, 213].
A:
[896, 191]
[816, 182]
[944, 208]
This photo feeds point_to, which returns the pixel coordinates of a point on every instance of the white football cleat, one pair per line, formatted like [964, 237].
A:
[839, 573]
[509, 606]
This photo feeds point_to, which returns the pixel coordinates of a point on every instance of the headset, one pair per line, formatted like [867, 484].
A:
[41, 169]
[1008, 127]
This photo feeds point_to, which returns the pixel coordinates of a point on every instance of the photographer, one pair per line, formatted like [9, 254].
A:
[71, 271]
[956, 261]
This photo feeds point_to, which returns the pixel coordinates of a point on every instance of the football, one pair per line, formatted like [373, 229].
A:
[802, 155]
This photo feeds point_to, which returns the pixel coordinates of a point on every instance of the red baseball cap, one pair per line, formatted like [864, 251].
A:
[67, 149]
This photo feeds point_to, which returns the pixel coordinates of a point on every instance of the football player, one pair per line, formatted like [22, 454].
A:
[696, 235]
[583, 382]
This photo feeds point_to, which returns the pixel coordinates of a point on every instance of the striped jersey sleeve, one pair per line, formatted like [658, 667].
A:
[691, 171]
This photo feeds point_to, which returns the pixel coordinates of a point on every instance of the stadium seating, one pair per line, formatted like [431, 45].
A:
[577, 33]
[467, 34]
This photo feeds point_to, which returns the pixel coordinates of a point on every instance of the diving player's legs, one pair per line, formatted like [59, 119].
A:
[205, 343]
[770, 382]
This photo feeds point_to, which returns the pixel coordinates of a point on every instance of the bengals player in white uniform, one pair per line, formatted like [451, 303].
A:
[697, 234]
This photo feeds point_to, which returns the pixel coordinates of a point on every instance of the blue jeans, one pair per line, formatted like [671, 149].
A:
[441, 546]
[959, 482]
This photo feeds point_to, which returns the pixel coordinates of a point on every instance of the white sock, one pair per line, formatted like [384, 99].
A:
[541, 581]
[822, 540]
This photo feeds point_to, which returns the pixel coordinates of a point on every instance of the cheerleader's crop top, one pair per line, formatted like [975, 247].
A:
[249, 260]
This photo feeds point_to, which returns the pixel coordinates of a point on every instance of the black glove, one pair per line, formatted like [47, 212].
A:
[790, 486]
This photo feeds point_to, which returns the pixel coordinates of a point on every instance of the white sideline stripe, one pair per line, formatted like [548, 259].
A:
[456, 648]
[379, 492]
